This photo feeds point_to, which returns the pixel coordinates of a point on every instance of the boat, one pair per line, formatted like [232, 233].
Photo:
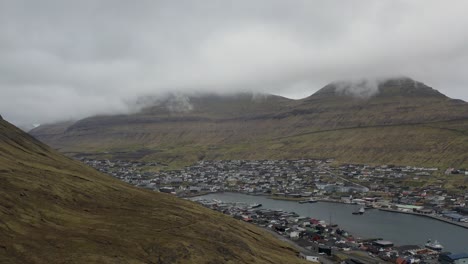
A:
[434, 245]
[360, 211]
[311, 200]
[255, 205]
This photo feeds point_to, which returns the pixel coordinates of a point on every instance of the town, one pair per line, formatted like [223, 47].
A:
[411, 190]
[383, 186]
[323, 242]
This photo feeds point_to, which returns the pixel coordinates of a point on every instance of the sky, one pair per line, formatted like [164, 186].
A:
[62, 60]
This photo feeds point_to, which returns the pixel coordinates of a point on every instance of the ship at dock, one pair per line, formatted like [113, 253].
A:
[360, 211]
[311, 200]
[434, 245]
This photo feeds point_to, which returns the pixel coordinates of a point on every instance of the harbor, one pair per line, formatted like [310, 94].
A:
[401, 229]
[445, 220]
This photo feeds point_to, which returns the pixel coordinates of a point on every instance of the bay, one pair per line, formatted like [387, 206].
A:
[402, 229]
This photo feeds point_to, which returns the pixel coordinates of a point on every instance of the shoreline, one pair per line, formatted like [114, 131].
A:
[291, 199]
[359, 236]
[459, 224]
[463, 225]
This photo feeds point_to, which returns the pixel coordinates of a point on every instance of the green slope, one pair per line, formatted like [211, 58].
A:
[56, 210]
[406, 123]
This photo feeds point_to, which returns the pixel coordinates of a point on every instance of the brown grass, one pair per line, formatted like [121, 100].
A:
[55, 210]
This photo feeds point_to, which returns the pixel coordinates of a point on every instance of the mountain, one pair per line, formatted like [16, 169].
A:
[56, 210]
[399, 121]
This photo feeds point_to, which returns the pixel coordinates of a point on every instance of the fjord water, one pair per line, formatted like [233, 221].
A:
[402, 229]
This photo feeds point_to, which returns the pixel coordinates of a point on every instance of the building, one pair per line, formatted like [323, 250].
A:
[454, 258]
[454, 217]
[167, 189]
[307, 257]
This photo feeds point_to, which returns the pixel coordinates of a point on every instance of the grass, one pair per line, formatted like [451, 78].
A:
[417, 145]
[400, 126]
[56, 210]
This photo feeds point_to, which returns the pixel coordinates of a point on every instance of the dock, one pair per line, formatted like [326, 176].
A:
[460, 224]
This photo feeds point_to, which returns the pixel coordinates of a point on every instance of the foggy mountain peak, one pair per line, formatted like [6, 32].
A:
[407, 87]
[179, 103]
[367, 88]
[291, 49]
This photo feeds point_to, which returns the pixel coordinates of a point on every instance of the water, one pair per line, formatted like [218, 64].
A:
[402, 229]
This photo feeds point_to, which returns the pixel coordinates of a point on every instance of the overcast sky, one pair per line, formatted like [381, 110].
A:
[71, 59]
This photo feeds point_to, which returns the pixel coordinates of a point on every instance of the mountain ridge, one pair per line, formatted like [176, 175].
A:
[239, 128]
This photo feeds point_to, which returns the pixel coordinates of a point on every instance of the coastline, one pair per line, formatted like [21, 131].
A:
[358, 235]
[290, 199]
[464, 225]
[459, 224]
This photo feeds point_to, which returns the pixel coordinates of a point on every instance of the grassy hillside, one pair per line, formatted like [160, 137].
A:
[55, 210]
[405, 123]
[437, 144]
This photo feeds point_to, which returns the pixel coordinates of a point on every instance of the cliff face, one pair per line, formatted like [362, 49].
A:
[56, 210]
[397, 121]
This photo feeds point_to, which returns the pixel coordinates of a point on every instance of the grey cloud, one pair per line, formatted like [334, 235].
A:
[363, 88]
[70, 59]
[179, 103]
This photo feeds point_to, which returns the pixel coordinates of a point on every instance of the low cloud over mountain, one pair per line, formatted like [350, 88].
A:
[70, 59]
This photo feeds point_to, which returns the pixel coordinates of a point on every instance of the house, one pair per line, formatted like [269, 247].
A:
[309, 258]
[167, 189]
[195, 189]
[294, 235]
[401, 260]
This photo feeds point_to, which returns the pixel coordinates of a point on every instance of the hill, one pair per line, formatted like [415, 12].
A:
[399, 121]
[56, 210]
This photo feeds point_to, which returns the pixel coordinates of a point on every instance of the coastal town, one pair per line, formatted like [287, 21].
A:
[410, 190]
[321, 241]
[383, 186]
